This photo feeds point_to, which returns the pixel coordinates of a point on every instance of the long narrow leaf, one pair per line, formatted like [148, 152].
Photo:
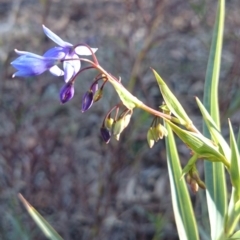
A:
[235, 164]
[171, 101]
[214, 172]
[199, 144]
[215, 133]
[182, 206]
[235, 236]
[233, 211]
[46, 228]
[238, 140]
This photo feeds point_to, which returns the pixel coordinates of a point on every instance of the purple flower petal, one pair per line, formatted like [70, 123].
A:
[56, 71]
[54, 37]
[32, 65]
[71, 67]
[30, 54]
[83, 50]
[57, 52]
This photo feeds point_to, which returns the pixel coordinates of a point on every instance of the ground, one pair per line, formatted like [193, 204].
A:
[53, 154]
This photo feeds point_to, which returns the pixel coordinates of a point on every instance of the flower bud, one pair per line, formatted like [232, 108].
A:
[127, 118]
[87, 100]
[150, 137]
[160, 131]
[66, 92]
[106, 134]
[98, 95]
[117, 137]
[196, 177]
[108, 123]
[165, 108]
[194, 180]
[121, 124]
[94, 87]
[194, 186]
[188, 179]
[118, 126]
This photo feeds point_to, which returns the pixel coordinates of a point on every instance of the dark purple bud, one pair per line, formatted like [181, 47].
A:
[106, 134]
[87, 101]
[66, 92]
[94, 87]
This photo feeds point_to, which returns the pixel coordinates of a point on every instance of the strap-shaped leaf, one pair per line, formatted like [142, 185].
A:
[46, 228]
[200, 145]
[235, 165]
[234, 204]
[238, 140]
[235, 236]
[171, 101]
[182, 206]
[214, 172]
[213, 129]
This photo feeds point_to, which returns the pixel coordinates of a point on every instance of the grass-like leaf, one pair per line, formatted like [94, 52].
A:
[182, 206]
[213, 129]
[235, 236]
[235, 164]
[214, 172]
[172, 102]
[233, 208]
[46, 228]
[238, 140]
[199, 145]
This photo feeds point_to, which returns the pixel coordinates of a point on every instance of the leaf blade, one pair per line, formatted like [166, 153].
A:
[46, 228]
[183, 211]
[214, 172]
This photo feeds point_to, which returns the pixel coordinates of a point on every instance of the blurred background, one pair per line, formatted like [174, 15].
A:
[53, 154]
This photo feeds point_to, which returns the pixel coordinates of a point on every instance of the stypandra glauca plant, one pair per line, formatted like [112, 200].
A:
[219, 156]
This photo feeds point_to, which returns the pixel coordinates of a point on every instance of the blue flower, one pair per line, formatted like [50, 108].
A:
[30, 64]
[66, 51]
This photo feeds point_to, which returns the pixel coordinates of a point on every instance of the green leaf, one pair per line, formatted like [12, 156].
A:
[233, 207]
[214, 172]
[189, 165]
[128, 100]
[182, 206]
[235, 164]
[235, 236]
[200, 145]
[233, 214]
[213, 129]
[171, 101]
[46, 228]
[238, 140]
